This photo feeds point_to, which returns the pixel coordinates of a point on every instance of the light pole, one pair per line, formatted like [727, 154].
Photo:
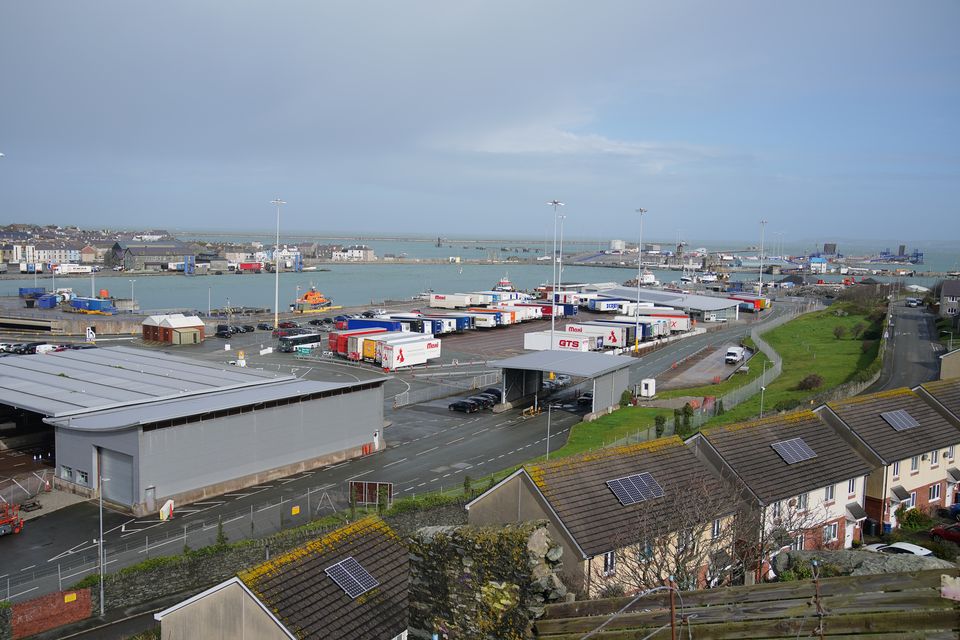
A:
[950, 346]
[560, 256]
[100, 539]
[553, 260]
[209, 293]
[277, 202]
[762, 390]
[93, 284]
[132, 299]
[549, 412]
[636, 331]
[763, 227]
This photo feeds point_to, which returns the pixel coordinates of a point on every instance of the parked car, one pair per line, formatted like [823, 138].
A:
[585, 398]
[287, 324]
[265, 326]
[952, 511]
[237, 329]
[494, 398]
[223, 334]
[249, 328]
[315, 322]
[484, 401]
[464, 405]
[369, 313]
[327, 320]
[899, 547]
[949, 532]
[494, 392]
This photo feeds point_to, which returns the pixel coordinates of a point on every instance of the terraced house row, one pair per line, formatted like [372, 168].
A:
[721, 504]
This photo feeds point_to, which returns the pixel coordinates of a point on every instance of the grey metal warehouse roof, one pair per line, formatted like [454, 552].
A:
[89, 379]
[672, 299]
[572, 363]
[182, 407]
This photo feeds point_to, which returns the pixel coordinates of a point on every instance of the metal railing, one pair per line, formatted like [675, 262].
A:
[443, 389]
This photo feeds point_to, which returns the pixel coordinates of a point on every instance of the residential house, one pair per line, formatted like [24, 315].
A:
[949, 298]
[350, 583]
[6, 253]
[911, 441]
[950, 364]
[800, 479]
[618, 510]
[945, 395]
[57, 254]
[354, 253]
[24, 253]
[88, 254]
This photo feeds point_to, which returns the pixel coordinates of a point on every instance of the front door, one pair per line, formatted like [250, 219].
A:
[848, 535]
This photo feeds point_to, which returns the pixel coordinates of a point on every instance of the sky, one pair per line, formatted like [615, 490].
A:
[827, 119]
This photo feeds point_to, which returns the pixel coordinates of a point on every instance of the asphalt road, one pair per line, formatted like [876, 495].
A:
[913, 351]
[428, 448]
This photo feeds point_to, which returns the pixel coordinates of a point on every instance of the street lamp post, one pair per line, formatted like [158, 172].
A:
[549, 412]
[560, 256]
[133, 300]
[100, 539]
[762, 391]
[636, 331]
[277, 202]
[209, 293]
[763, 228]
[553, 259]
[950, 346]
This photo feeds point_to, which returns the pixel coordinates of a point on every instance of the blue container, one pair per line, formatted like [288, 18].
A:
[365, 323]
[32, 292]
[46, 302]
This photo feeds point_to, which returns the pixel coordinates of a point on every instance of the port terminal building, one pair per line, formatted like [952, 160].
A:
[144, 426]
[699, 307]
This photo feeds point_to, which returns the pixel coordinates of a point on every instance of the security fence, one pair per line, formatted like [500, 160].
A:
[446, 388]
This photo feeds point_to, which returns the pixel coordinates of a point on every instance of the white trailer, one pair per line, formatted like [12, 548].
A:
[562, 341]
[675, 321]
[522, 314]
[68, 268]
[482, 320]
[613, 337]
[408, 354]
[450, 300]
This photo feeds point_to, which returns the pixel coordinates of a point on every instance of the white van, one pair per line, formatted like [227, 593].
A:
[735, 355]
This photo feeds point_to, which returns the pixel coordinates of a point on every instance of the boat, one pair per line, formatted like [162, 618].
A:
[504, 284]
[312, 300]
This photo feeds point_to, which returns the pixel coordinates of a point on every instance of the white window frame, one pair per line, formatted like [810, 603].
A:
[776, 510]
[950, 451]
[851, 486]
[896, 469]
[797, 543]
[829, 493]
[716, 529]
[935, 457]
[609, 563]
[831, 532]
[913, 500]
[914, 464]
[66, 473]
[933, 493]
[83, 478]
[802, 501]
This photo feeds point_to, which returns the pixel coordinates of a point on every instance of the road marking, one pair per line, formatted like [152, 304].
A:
[359, 474]
[481, 431]
[421, 484]
[428, 451]
[446, 475]
[457, 440]
[337, 466]
[394, 462]
[237, 495]
[15, 595]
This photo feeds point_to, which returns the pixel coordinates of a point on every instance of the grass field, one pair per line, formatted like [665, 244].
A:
[735, 381]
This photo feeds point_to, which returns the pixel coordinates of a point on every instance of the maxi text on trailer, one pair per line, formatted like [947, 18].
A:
[370, 344]
[408, 354]
[364, 323]
[562, 341]
[337, 340]
[613, 337]
[450, 300]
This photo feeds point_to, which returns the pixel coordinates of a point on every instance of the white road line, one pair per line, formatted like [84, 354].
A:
[428, 451]
[446, 475]
[288, 480]
[360, 474]
[409, 489]
[421, 484]
[211, 502]
[141, 530]
[16, 595]
[237, 495]
[394, 462]
[481, 431]
[337, 466]
[262, 486]
[457, 440]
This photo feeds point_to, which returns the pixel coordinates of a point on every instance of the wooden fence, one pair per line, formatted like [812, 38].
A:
[893, 606]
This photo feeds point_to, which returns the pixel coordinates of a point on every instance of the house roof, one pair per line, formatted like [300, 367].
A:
[577, 491]
[862, 415]
[585, 364]
[746, 447]
[950, 288]
[173, 321]
[296, 587]
[946, 392]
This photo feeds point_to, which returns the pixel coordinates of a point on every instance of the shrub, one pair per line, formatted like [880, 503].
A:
[857, 330]
[868, 345]
[660, 424]
[944, 549]
[914, 520]
[626, 398]
[786, 405]
[615, 590]
[809, 383]
[839, 331]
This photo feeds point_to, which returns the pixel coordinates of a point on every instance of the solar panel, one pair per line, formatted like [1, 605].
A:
[900, 420]
[794, 450]
[351, 577]
[635, 488]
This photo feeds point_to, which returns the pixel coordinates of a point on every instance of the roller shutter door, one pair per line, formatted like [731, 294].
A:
[118, 467]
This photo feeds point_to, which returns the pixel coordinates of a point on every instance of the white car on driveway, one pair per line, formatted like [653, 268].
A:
[899, 547]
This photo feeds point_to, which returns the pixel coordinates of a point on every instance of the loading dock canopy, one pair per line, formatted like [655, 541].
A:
[610, 375]
[572, 363]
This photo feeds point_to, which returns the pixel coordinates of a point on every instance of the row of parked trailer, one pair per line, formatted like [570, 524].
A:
[610, 333]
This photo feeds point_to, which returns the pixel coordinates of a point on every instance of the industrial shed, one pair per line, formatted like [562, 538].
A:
[523, 376]
[699, 307]
[174, 328]
[161, 426]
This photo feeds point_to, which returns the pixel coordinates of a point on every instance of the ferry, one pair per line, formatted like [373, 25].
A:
[504, 285]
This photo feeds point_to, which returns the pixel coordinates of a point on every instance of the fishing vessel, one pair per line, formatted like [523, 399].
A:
[312, 300]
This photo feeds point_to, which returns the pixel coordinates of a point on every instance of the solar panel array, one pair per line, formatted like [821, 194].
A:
[351, 577]
[794, 450]
[635, 488]
[900, 420]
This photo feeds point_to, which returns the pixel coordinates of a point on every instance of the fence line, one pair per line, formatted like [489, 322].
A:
[443, 389]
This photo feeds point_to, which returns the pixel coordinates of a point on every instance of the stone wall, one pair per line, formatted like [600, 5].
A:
[482, 583]
[6, 622]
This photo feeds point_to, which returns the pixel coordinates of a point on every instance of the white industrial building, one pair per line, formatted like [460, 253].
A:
[700, 308]
[164, 427]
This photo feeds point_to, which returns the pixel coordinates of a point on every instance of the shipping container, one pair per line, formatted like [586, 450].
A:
[368, 346]
[93, 305]
[562, 341]
[249, 267]
[32, 292]
[31, 267]
[48, 301]
[494, 313]
[364, 323]
[68, 268]
[459, 322]
[675, 321]
[402, 340]
[450, 301]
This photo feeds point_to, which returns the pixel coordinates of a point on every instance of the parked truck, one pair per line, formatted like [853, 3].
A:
[562, 341]
[451, 300]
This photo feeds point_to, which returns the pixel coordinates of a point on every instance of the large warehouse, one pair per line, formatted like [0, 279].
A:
[159, 426]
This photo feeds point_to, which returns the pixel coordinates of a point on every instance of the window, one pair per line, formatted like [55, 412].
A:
[776, 510]
[715, 530]
[913, 500]
[914, 464]
[896, 469]
[801, 501]
[646, 552]
[609, 563]
[828, 493]
[851, 486]
[685, 541]
[797, 543]
[83, 478]
[950, 452]
[935, 457]
[830, 532]
[933, 494]
[66, 473]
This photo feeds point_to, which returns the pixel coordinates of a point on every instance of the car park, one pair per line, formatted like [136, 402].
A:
[327, 320]
[249, 328]
[369, 313]
[265, 326]
[905, 548]
[237, 329]
[949, 532]
[315, 321]
[485, 402]
[464, 406]
[494, 392]
[223, 334]
[287, 324]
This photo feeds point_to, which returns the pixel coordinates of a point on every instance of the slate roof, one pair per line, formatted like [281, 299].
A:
[577, 491]
[947, 393]
[950, 289]
[862, 415]
[746, 447]
[311, 605]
